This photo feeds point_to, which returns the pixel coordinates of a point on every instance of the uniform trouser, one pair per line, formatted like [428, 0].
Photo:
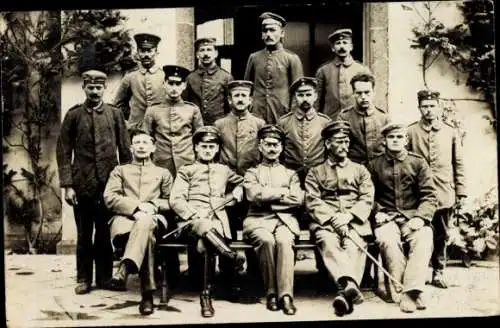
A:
[440, 224]
[276, 258]
[342, 258]
[411, 271]
[92, 212]
[140, 248]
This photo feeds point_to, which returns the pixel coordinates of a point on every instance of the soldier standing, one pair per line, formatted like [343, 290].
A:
[339, 199]
[137, 194]
[173, 122]
[272, 70]
[366, 120]
[272, 190]
[142, 87]
[199, 198]
[405, 203]
[441, 146]
[334, 89]
[206, 86]
[92, 141]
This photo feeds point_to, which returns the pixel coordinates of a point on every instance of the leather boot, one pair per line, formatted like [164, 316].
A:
[217, 242]
[119, 280]
[146, 306]
[207, 309]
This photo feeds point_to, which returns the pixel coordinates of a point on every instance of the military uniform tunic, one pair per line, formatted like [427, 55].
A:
[334, 85]
[332, 188]
[172, 123]
[272, 191]
[272, 73]
[239, 149]
[207, 88]
[304, 147]
[365, 137]
[138, 90]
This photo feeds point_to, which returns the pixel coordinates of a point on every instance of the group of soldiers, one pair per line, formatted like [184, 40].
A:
[206, 155]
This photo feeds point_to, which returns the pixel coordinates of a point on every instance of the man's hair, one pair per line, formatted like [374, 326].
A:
[137, 131]
[363, 77]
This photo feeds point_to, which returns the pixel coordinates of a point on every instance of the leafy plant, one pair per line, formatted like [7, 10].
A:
[475, 233]
[469, 47]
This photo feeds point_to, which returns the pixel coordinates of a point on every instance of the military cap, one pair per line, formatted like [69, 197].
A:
[427, 95]
[271, 131]
[94, 76]
[200, 41]
[236, 84]
[146, 40]
[207, 133]
[175, 71]
[302, 81]
[340, 34]
[391, 126]
[338, 128]
[272, 18]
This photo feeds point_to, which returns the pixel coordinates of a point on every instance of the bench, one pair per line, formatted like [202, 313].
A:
[304, 242]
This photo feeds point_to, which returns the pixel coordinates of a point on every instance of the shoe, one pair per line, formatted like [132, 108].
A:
[82, 288]
[116, 284]
[419, 302]
[146, 306]
[438, 280]
[341, 305]
[353, 293]
[407, 304]
[207, 310]
[272, 302]
[287, 305]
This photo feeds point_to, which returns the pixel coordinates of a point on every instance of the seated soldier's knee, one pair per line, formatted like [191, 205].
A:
[424, 235]
[284, 241]
[145, 223]
[201, 226]
[387, 235]
[266, 240]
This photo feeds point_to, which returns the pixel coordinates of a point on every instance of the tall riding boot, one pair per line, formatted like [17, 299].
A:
[207, 309]
[213, 238]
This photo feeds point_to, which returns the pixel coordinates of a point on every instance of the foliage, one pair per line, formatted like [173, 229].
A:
[469, 46]
[100, 32]
[476, 232]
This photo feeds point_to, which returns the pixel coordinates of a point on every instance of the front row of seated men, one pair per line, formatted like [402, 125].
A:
[393, 195]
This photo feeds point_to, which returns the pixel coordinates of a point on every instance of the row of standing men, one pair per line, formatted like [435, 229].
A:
[172, 122]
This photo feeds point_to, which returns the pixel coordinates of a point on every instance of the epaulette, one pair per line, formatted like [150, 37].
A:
[414, 123]
[381, 110]
[190, 103]
[346, 109]
[324, 115]
[74, 107]
[415, 155]
[282, 117]
[224, 70]
[449, 124]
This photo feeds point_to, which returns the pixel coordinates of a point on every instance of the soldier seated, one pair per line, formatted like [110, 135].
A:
[137, 193]
[273, 192]
[339, 199]
[405, 202]
[199, 199]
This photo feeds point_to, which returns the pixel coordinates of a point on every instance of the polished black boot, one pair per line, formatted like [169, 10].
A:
[207, 310]
[218, 243]
[146, 306]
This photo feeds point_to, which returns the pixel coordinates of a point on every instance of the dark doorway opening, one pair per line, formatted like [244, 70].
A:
[307, 30]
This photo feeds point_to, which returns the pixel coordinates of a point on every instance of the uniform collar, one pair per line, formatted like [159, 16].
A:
[99, 108]
[273, 164]
[210, 70]
[400, 157]
[299, 113]
[367, 112]
[334, 163]
[151, 70]
[142, 163]
[435, 125]
[239, 117]
[279, 47]
[174, 102]
[348, 61]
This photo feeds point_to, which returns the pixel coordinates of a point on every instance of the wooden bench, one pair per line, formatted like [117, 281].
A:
[303, 243]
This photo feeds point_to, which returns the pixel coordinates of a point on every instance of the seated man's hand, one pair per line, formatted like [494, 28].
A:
[238, 193]
[140, 215]
[147, 208]
[416, 223]
[340, 223]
